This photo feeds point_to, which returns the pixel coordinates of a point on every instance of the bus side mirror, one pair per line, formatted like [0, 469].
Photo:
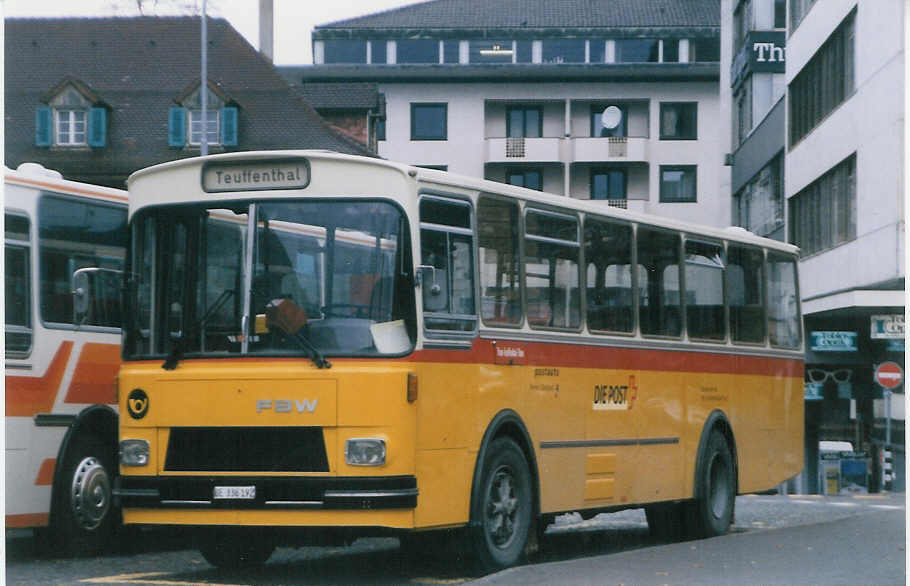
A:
[96, 296]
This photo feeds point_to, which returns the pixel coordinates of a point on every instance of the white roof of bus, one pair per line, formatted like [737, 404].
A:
[443, 179]
[36, 176]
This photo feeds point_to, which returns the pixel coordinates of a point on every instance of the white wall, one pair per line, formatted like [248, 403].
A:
[870, 123]
[464, 151]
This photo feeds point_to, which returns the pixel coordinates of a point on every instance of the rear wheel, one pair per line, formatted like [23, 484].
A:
[501, 516]
[235, 549]
[716, 488]
[83, 514]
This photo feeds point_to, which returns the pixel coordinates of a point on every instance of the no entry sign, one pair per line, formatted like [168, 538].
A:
[889, 375]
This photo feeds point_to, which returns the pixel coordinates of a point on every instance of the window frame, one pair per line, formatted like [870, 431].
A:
[524, 236]
[524, 171]
[607, 171]
[725, 330]
[684, 168]
[190, 112]
[71, 122]
[26, 246]
[516, 206]
[762, 290]
[633, 274]
[524, 120]
[444, 106]
[471, 232]
[682, 109]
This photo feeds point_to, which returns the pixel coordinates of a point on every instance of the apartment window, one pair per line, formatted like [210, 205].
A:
[524, 121]
[378, 52]
[759, 205]
[637, 51]
[742, 24]
[780, 13]
[671, 51]
[186, 125]
[704, 50]
[196, 126]
[742, 110]
[450, 52]
[824, 83]
[823, 215]
[678, 183]
[529, 178]
[596, 51]
[563, 51]
[344, 51]
[798, 11]
[70, 120]
[380, 128]
[524, 51]
[429, 121]
[678, 120]
[608, 184]
[417, 51]
[608, 120]
[490, 51]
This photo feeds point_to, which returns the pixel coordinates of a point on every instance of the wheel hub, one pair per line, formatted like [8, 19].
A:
[502, 509]
[91, 493]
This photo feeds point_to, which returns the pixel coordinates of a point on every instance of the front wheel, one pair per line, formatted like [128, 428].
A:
[501, 516]
[716, 489]
[84, 516]
[235, 549]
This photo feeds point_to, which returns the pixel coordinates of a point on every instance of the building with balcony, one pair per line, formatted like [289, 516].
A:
[615, 101]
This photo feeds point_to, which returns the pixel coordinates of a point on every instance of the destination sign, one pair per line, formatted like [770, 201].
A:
[253, 176]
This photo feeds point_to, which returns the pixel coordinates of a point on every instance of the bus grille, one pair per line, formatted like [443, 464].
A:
[246, 449]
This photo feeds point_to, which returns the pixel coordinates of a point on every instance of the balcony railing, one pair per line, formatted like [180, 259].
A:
[613, 148]
[521, 150]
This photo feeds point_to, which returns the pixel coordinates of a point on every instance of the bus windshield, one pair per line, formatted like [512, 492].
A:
[270, 278]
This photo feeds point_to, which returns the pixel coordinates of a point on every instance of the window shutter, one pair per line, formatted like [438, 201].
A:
[43, 126]
[97, 127]
[229, 126]
[176, 127]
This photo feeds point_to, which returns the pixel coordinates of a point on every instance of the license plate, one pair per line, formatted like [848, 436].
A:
[235, 492]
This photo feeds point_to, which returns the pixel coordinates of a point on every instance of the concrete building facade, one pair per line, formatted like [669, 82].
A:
[615, 101]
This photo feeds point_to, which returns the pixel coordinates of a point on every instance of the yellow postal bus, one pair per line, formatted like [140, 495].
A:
[325, 345]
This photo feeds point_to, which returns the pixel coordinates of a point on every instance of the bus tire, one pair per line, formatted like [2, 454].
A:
[501, 517]
[715, 489]
[235, 549]
[84, 516]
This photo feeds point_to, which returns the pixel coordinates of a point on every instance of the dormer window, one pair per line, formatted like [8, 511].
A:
[74, 117]
[186, 125]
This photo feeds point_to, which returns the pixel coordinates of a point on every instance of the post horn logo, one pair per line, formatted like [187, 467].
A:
[137, 404]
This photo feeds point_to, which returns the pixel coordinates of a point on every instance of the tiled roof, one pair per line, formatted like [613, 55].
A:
[333, 95]
[481, 14]
[139, 67]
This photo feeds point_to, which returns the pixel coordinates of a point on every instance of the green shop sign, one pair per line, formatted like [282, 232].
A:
[833, 342]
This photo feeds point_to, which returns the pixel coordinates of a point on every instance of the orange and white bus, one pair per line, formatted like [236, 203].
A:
[62, 356]
[325, 345]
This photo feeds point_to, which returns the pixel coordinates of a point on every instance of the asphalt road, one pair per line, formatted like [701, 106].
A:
[775, 540]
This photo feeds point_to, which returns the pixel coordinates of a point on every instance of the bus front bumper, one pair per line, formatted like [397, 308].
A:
[266, 493]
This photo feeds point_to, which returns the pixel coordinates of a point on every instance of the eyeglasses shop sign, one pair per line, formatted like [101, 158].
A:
[887, 327]
[833, 342]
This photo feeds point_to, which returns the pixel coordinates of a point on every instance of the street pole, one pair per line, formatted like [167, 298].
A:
[204, 88]
[886, 395]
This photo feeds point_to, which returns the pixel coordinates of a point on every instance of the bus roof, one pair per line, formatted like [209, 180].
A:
[430, 178]
[36, 176]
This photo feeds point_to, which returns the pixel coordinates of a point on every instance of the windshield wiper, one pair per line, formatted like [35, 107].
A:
[315, 355]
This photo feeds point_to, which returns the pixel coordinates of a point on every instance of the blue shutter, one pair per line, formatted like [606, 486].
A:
[97, 127]
[176, 127]
[229, 126]
[43, 126]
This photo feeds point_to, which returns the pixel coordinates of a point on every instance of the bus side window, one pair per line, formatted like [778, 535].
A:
[784, 325]
[18, 286]
[500, 286]
[705, 291]
[72, 235]
[745, 290]
[447, 255]
[608, 252]
[658, 292]
[552, 277]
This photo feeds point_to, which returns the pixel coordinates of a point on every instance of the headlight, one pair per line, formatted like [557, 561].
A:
[134, 452]
[364, 452]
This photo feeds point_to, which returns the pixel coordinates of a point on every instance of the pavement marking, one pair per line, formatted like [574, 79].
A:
[838, 504]
[146, 578]
[805, 496]
[887, 507]
[870, 496]
[806, 502]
